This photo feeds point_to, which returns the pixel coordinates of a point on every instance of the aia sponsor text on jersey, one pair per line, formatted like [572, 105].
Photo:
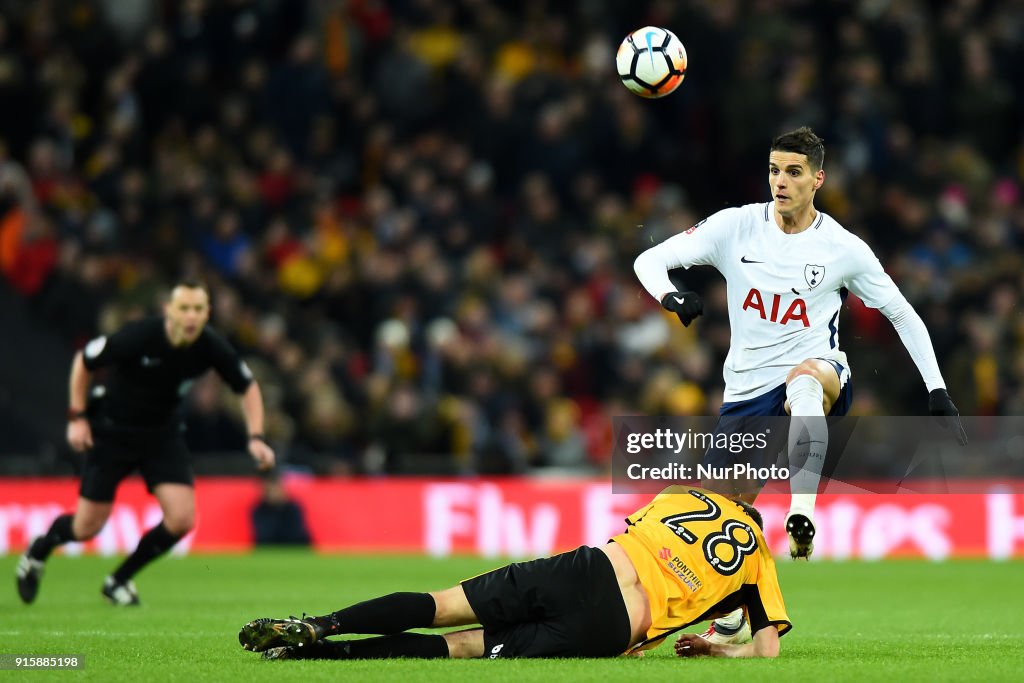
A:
[795, 310]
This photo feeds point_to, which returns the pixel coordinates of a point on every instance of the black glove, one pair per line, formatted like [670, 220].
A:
[941, 406]
[687, 305]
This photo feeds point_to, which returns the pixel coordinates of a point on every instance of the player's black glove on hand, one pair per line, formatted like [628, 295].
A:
[687, 305]
[941, 406]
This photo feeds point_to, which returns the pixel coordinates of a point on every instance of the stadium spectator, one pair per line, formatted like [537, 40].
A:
[277, 519]
[132, 422]
[668, 570]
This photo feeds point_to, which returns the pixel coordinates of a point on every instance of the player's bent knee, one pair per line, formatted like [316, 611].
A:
[805, 381]
[817, 377]
[452, 608]
[465, 644]
[805, 368]
[87, 526]
[179, 529]
[820, 370]
[801, 389]
[179, 526]
[86, 531]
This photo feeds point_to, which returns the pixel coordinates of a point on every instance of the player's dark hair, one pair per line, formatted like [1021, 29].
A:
[752, 513]
[802, 141]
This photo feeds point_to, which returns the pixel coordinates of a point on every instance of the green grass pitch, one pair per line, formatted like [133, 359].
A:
[853, 621]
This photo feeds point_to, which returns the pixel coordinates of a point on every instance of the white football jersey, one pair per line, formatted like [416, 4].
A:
[785, 290]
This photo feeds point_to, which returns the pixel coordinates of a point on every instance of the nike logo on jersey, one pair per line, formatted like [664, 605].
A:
[744, 259]
[679, 299]
[148, 362]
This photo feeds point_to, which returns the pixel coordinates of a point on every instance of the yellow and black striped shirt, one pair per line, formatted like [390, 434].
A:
[698, 556]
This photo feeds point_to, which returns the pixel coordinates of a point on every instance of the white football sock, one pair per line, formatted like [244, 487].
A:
[808, 442]
[732, 620]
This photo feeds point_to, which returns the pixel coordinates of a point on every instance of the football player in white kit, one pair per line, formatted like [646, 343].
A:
[788, 268]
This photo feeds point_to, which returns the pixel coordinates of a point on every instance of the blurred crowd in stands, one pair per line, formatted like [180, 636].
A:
[418, 218]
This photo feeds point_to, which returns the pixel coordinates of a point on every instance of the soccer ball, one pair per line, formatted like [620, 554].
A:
[651, 62]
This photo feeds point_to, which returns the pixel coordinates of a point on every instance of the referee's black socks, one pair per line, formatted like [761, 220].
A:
[152, 545]
[60, 533]
[388, 614]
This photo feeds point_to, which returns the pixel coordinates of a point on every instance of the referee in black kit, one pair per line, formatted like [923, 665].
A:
[136, 424]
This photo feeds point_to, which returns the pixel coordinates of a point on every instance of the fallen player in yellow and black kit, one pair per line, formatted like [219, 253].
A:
[688, 556]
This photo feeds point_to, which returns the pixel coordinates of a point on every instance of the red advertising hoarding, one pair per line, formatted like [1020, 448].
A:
[514, 518]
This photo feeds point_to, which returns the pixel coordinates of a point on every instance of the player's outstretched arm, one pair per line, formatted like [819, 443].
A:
[651, 269]
[702, 245]
[942, 407]
[686, 305]
[764, 644]
[915, 338]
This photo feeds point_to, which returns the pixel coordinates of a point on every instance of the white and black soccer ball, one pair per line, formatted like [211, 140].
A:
[651, 62]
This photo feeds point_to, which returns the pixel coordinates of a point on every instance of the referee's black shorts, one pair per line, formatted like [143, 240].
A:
[160, 458]
[569, 605]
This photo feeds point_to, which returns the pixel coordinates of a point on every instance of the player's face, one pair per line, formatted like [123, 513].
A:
[186, 314]
[792, 181]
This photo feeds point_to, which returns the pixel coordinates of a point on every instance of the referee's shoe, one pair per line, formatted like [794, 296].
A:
[29, 573]
[120, 593]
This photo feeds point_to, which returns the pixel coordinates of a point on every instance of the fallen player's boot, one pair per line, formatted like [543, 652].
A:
[283, 652]
[262, 634]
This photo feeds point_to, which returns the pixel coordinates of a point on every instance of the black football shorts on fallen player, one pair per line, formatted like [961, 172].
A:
[568, 605]
[160, 458]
